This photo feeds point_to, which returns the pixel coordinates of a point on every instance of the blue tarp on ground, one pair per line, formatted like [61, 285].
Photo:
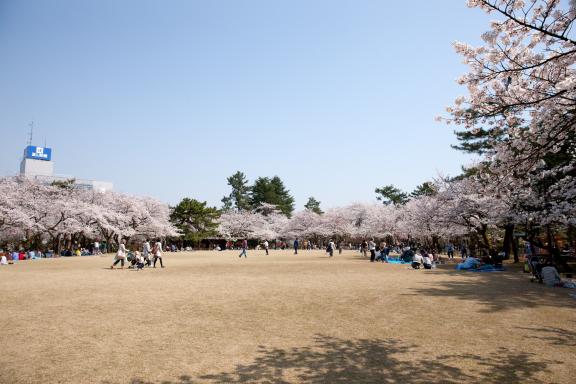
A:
[394, 261]
[483, 268]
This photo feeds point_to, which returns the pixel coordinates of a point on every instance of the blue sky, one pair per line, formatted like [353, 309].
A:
[168, 98]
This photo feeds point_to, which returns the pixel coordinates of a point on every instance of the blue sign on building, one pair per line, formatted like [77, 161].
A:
[38, 153]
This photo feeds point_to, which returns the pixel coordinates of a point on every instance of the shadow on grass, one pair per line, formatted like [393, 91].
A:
[552, 335]
[334, 360]
[494, 292]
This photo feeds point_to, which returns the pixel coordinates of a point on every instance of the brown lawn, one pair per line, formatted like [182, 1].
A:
[210, 317]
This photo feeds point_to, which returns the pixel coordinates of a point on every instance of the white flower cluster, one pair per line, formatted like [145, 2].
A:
[54, 213]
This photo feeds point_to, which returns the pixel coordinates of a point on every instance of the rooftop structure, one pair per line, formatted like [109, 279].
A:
[37, 164]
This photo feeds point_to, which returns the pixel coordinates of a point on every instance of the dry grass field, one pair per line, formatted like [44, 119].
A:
[209, 317]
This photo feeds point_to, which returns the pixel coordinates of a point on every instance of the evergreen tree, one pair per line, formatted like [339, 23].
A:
[389, 194]
[313, 205]
[272, 191]
[239, 198]
[480, 141]
[425, 189]
[195, 219]
[64, 184]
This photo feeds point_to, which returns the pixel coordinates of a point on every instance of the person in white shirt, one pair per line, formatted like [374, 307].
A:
[331, 247]
[146, 252]
[417, 260]
[266, 246]
[3, 260]
[120, 255]
[426, 260]
[96, 249]
[372, 248]
[157, 253]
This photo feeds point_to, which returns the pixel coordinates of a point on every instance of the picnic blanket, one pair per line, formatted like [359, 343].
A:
[483, 268]
[396, 261]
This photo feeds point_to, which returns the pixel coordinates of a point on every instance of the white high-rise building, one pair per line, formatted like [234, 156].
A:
[37, 164]
[37, 161]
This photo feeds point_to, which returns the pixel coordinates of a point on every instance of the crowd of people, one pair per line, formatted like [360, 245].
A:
[138, 260]
[149, 254]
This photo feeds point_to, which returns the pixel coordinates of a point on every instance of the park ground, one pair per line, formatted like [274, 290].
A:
[209, 317]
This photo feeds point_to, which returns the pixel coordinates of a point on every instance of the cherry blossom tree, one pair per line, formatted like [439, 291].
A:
[13, 217]
[522, 84]
[303, 224]
[36, 212]
[239, 224]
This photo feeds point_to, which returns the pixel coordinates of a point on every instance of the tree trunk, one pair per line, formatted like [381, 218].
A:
[515, 249]
[485, 240]
[549, 237]
[509, 245]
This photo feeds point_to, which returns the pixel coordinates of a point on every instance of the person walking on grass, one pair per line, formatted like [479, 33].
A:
[157, 253]
[146, 252]
[266, 245]
[120, 255]
[330, 248]
[364, 248]
[296, 245]
[244, 249]
[450, 250]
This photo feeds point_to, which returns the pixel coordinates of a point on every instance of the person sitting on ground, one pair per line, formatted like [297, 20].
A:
[417, 260]
[134, 259]
[407, 254]
[426, 260]
[382, 256]
[551, 277]
[498, 259]
[140, 261]
[3, 260]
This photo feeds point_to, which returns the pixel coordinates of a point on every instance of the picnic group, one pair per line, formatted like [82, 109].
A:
[148, 257]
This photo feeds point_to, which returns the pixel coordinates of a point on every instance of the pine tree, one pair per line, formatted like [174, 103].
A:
[272, 191]
[239, 198]
[313, 205]
[389, 194]
[425, 189]
[195, 219]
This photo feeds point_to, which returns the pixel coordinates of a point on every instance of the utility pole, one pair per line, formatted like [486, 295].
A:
[30, 135]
